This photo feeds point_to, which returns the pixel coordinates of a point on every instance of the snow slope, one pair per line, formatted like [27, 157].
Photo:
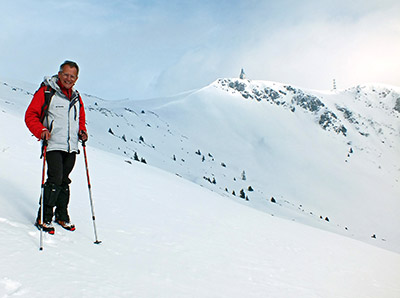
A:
[332, 155]
[164, 236]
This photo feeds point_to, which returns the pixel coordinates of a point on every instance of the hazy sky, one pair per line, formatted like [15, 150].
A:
[147, 48]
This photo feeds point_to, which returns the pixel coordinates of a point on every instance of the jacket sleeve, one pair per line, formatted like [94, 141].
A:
[33, 114]
[82, 116]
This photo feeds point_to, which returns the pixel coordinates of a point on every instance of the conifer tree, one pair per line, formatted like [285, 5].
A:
[136, 157]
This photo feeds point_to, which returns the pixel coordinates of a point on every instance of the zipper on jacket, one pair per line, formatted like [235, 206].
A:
[69, 132]
[71, 104]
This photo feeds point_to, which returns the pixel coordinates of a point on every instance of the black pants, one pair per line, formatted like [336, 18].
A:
[56, 188]
[59, 166]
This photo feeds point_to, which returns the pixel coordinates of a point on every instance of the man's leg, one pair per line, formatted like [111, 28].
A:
[62, 204]
[51, 187]
[64, 195]
[51, 192]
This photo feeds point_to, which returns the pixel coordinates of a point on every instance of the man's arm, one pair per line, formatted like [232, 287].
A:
[33, 115]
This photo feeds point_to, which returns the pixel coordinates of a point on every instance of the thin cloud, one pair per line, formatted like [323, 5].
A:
[141, 49]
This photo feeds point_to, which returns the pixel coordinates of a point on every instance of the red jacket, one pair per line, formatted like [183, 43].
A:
[33, 113]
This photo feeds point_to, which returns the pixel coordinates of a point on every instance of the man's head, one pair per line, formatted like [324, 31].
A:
[68, 74]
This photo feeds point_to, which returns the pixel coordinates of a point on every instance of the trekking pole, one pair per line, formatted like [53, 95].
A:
[42, 194]
[90, 194]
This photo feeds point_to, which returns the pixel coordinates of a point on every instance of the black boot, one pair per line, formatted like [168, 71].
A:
[62, 217]
[51, 193]
[62, 204]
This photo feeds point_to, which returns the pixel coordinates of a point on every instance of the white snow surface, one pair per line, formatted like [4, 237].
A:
[163, 235]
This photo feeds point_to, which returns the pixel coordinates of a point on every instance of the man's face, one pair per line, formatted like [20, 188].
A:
[68, 76]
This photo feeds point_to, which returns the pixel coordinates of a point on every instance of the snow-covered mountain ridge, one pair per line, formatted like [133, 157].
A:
[385, 98]
[323, 157]
[288, 97]
[216, 134]
[164, 236]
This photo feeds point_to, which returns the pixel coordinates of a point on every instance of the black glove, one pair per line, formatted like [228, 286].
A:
[83, 136]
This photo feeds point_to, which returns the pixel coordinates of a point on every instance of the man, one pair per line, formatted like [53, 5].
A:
[60, 122]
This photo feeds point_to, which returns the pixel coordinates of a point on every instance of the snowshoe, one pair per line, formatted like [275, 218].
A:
[66, 225]
[46, 227]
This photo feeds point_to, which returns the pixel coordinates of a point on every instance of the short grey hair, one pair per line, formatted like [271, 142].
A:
[70, 64]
